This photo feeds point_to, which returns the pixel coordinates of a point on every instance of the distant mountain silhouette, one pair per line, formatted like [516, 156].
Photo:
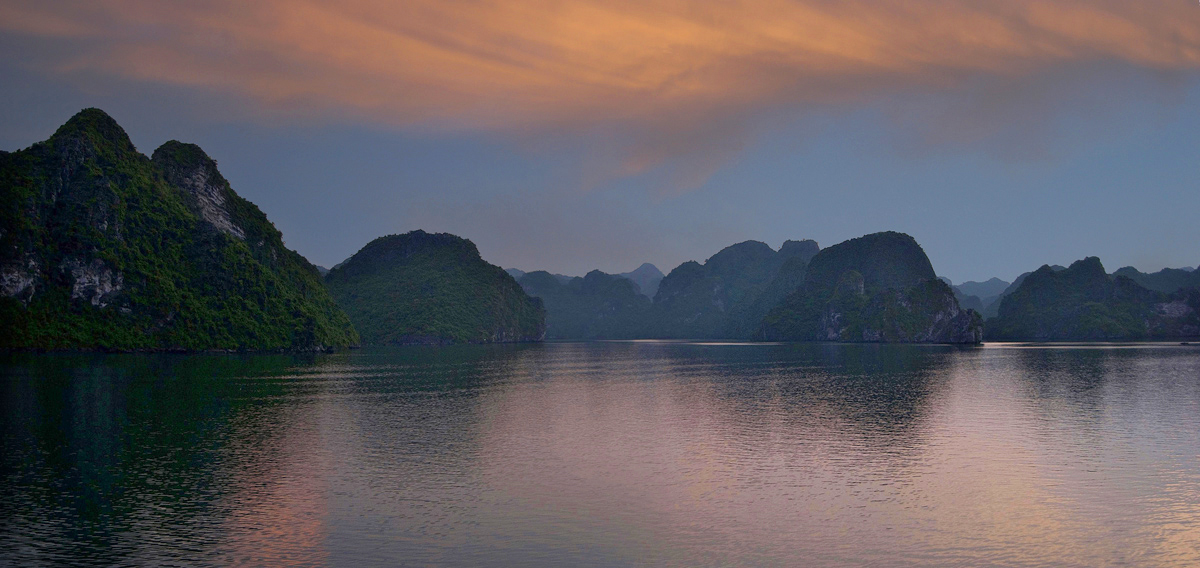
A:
[517, 274]
[986, 289]
[967, 302]
[596, 306]
[1167, 280]
[727, 296]
[749, 290]
[647, 277]
[724, 298]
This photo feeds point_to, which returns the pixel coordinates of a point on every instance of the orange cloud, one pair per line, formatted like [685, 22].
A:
[541, 64]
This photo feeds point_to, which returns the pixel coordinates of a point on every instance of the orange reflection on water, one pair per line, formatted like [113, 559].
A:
[675, 467]
[280, 479]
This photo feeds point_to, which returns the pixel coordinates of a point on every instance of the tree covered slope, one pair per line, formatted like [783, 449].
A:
[102, 247]
[876, 288]
[596, 306]
[432, 288]
[728, 295]
[1083, 303]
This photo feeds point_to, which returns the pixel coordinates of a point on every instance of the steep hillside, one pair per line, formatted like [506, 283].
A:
[432, 288]
[596, 306]
[1083, 303]
[876, 288]
[104, 248]
[727, 296]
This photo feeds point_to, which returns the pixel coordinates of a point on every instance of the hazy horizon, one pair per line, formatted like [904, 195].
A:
[1002, 135]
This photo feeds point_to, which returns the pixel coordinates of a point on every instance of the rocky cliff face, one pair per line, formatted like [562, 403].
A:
[101, 247]
[877, 288]
[207, 193]
[925, 313]
[1176, 316]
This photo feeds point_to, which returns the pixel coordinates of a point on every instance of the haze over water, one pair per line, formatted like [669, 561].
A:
[603, 454]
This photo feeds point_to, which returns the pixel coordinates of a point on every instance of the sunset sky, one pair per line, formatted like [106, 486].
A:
[602, 134]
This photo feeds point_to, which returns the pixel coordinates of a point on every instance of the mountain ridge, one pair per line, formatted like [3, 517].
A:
[1084, 303]
[102, 247]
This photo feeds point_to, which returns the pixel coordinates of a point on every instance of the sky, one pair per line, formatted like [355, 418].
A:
[601, 134]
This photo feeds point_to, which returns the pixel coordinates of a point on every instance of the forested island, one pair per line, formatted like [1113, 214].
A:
[422, 288]
[102, 247]
[1084, 303]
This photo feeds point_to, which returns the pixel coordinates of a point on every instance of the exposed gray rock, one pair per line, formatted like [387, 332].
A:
[93, 281]
[208, 194]
[210, 201]
[19, 281]
[942, 322]
[1175, 309]
[876, 288]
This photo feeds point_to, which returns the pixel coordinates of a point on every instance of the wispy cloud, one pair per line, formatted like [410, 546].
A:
[684, 77]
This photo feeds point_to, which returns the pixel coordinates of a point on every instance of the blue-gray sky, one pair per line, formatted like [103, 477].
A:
[602, 134]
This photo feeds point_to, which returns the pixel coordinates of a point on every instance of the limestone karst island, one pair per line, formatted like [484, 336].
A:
[600, 283]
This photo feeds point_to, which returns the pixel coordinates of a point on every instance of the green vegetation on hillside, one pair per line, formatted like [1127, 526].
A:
[1167, 280]
[102, 247]
[727, 296]
[596, 306]
[992, 308]
[885, 260]
[879, 287]
[432, 288]
[1083, 303]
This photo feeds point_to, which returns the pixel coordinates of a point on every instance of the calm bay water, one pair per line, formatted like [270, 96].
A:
[606, 454]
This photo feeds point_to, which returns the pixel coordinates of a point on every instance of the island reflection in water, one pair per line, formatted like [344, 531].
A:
[600, 454]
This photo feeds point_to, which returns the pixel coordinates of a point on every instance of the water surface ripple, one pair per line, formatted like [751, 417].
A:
[606, 454]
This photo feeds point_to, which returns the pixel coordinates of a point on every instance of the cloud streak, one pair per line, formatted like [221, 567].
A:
[679, 75]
